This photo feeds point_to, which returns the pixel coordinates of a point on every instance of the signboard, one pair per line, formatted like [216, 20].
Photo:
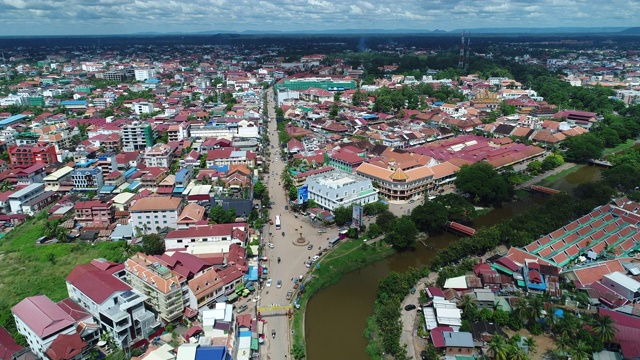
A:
[303, 194]
[357, 216]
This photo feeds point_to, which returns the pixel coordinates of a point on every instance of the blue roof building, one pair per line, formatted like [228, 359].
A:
[212, 353]
[11, 120]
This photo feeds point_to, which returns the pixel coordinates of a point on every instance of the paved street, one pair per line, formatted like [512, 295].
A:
[292, 256]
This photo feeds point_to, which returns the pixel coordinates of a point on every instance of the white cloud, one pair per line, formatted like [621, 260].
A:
[24, 17]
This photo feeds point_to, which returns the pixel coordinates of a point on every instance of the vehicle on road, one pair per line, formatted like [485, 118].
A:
[273, 333]
[310, 247]
[278, 224]
[307, 264]
[286, 207]
[410, 307]
[242, 308]
[271, 246]
[256, 299]
[315, 258]
[289, 294]
[283, 233]
[270, 222]
[278, 259]
[411, 201]
[279, 284]
[269, 282]
[322, 231]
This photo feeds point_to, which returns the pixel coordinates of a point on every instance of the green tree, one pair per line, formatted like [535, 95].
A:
[217, 215]
[430, 217]
[403, 233]
[498, 347]
[298, 352]
[583, 148]
[552, 161]
[342, 215]
[458, 208]
[152, 244]
[534, 167]
[483, 183]
[603, 328]
[259, 190]
[385, 219]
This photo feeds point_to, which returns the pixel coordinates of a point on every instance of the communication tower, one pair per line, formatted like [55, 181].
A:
[468, 49]
[461, 60]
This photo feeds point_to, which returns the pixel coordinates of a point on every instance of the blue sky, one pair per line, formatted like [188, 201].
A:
[78, 17]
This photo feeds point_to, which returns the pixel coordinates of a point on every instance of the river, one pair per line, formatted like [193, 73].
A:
[336, 316]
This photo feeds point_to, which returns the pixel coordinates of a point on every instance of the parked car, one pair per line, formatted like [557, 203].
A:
[322, 231]
[410, 307]
[310, 247]
[411, 201]
[286, 207]
[271, 245]
[289, 294]
[315, 258]
[279, 284]
[269, 282]
[242, 308]
[273, 333]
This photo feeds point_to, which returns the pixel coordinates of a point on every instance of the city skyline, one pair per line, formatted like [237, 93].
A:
[103, 17]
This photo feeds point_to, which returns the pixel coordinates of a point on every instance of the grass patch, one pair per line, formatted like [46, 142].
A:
[551, 179]
[625, 145]
[29, 270]
[349, 256]
[521, 193]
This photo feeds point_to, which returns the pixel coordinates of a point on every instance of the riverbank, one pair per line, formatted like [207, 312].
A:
[349, 256]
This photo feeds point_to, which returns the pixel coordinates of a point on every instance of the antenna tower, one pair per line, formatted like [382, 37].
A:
[468, 49]
[461, 60]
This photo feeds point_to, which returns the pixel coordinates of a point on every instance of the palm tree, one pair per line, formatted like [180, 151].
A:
[530, 342]
[551, 319]
[563, 342]
[603, 328]
[515, 352]
[536, 305]
[498, 347]
[580, 351]
[521, 311]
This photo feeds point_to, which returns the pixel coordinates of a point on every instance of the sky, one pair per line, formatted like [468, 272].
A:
[94, 17]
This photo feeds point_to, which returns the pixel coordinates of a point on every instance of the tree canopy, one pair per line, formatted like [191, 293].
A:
[402, 233]
[430, 217]
[152, 244]
[484, 184]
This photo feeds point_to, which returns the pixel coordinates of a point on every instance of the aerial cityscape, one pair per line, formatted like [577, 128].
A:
[313, 185]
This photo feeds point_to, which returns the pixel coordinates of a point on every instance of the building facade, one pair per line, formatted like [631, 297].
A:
[337, 188]
[152, 213]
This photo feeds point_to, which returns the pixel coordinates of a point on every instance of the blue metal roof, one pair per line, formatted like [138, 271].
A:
[181, 174]
[130, 172]
[73, 102]
[212, 353]
[107, 189]
[134, 186]
[12, 119]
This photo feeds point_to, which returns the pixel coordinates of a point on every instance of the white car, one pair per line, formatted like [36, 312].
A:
[271, 246]
[279, 284]
[269, 282]
[256, 299]
[315, 258]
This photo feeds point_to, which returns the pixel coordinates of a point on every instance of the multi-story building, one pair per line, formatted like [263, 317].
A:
[178, 132]
[27, 155]
[144, 74]
[87, 179]
[152, 213]
[230, 156]
[99, 288]
[41, 321]
[114, 75]
[337, 188]
[24, 195]
[143, 107]
[398, 184]
[159, 155]
[137, 136]
[106, 162]
[167, 292]
[94, 212]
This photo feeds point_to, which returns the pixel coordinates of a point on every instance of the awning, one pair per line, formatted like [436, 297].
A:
[107, 189]
[233, 297]
[254, 344]
[251, 288]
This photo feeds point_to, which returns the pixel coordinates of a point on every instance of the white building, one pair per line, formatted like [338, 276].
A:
[152, 213]
[40, 321]
[337, 188]
[144, 74]
[142, 107]
[160, 155]
[20, 197]
[114, 305]
[219, 235]
[624, 285]
[136, 136]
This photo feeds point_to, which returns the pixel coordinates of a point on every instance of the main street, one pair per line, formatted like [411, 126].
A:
[292, 256]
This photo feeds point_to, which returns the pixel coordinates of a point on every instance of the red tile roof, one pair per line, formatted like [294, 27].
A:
[8, 346]
[96, 284]
[42, 315]
[65, 347]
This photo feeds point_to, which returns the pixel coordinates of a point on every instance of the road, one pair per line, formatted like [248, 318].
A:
[293, 256]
